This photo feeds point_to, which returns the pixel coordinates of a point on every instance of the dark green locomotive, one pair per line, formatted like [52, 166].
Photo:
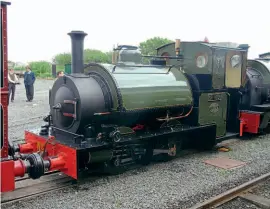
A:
[192, 94]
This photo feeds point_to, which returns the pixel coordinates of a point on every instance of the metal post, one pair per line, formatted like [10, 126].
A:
[54, 70]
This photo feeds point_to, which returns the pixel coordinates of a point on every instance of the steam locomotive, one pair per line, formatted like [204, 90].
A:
[191, 94]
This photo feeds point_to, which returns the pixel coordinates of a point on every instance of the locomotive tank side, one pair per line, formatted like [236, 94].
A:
[146, 87]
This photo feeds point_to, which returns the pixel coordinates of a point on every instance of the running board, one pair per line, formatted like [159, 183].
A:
[227, 136]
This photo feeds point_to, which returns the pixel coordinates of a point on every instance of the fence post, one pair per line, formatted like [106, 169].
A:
[54, 70]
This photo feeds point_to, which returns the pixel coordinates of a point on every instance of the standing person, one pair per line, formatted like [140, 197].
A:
[29, 80]
[12, 80]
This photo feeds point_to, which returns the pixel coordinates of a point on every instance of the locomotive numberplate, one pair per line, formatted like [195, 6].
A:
[214, 108]
[214, 97]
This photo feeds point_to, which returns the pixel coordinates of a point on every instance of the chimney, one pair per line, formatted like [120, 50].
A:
[244, 46]
[77, 44]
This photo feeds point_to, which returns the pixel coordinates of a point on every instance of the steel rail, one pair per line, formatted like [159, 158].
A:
[27, 177]
[231, 194]
[36, 190]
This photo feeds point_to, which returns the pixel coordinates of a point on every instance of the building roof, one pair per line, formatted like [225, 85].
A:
[264, 54]
[227, 45]
[5, 3]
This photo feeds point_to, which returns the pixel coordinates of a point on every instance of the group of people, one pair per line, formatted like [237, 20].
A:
[29, 80]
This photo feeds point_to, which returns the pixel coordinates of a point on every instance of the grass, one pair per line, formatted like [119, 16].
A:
[42, 69]
[60, 68]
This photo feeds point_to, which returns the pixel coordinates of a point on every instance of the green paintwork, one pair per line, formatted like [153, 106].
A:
[215, 54]
[263, 66]
[190, 50]
[214, 110]
[151, 87]
[244, 66]
[218, 73]
[146, 87]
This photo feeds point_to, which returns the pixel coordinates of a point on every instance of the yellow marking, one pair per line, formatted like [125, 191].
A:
[224, 149]
[39, 147]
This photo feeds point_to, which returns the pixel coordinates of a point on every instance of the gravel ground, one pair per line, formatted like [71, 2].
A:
[239, 204]
[263, 190]
[179, 183]
[21, 114]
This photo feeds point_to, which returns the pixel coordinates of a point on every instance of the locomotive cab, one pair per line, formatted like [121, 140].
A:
[215, 72]
[219, 70]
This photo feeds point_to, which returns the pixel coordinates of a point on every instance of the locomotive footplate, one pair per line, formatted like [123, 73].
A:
[71, 158]
[261, 108]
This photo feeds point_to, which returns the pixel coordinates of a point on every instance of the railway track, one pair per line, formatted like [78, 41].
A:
[243, 191]
[52, 181]
[28, 188]
[26, 177]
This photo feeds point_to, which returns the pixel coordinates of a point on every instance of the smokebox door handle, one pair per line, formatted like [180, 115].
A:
[74, 115]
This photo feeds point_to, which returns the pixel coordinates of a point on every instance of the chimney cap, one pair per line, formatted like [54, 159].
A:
[77, 32]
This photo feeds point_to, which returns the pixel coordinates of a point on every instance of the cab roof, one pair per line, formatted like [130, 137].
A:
[227, 45]
[4, 3]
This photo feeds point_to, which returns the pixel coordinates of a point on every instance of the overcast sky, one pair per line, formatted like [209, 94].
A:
[38, 28]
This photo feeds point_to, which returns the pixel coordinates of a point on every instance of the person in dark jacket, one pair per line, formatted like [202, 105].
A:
[29, 80]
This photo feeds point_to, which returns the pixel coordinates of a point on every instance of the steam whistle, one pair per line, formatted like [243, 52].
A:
[177, 46]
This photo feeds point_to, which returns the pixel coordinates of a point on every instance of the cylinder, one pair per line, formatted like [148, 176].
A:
[77, 45]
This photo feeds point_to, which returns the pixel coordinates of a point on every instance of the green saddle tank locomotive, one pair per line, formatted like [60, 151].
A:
[191, 94]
